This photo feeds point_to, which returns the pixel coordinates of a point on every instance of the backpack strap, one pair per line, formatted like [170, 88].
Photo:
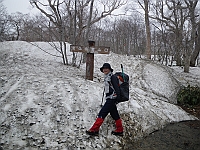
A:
[102, 97]
[113, 95]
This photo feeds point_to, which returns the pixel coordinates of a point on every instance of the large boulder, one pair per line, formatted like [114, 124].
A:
[160, 81]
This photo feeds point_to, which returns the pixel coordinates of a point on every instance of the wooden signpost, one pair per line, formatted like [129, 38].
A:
[90, 50]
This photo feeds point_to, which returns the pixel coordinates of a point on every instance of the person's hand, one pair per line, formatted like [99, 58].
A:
[115, 96]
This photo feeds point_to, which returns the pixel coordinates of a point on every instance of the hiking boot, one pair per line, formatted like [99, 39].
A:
[119, 128]
[94, 133]
[94, 130]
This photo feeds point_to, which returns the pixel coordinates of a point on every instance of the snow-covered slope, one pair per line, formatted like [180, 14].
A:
[46, 105]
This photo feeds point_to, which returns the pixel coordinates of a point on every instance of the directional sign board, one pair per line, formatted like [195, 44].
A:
[95, 50]
[90, 50]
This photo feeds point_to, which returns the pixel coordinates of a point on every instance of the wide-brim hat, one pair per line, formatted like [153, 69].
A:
[106, 65]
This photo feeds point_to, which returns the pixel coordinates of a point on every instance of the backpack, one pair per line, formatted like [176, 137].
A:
[123, 86]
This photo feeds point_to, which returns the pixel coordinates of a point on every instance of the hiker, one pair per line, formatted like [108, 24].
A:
[112, 92]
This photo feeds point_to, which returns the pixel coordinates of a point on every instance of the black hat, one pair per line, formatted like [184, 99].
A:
[106, 65]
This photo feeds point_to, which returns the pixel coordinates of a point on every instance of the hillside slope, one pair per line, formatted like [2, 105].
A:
[47, 105]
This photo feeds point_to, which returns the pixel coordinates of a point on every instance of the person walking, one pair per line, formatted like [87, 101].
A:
[112, 92]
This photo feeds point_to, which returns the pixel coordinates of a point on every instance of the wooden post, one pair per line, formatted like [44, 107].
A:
[91, 50]
[90, 62]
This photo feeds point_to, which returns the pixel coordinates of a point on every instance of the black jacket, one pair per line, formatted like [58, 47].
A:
[115, 84]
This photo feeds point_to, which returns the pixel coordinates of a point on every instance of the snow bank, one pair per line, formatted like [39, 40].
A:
[46, 105]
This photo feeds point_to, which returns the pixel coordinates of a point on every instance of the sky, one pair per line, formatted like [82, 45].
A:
[22, 6]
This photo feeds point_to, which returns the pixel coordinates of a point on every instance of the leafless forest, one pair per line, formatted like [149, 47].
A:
[165, 30]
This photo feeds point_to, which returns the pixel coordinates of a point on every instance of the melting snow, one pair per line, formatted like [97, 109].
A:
[47, 105]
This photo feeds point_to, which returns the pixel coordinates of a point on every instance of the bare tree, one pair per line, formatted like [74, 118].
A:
[194, 28]
[73, 19]
[196, 51]
[89, 20]
[174, 16]
[39, 28]
[3, 21]
[180, 19]
[190, 37]
[17, 22]
[55, 14]
[147, 25]
[123, 35]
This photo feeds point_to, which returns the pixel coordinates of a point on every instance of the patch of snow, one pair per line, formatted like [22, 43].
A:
[47, 105]
[160, 82]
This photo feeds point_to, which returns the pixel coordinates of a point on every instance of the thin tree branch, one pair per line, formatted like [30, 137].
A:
[43, 49]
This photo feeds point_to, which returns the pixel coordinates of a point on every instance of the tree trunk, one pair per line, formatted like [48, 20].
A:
[148, 33]
[178, 59]
[17, 32]
[196, 51]
[187, 63]
[192, 6]
[89, 21]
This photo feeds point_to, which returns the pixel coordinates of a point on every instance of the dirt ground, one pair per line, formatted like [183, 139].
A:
[178, 136]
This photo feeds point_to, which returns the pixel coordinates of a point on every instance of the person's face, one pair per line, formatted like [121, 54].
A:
[106, 70]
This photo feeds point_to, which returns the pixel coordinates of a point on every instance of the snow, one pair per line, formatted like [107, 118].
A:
[45, 104]
[192, 78]
[158, 80]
